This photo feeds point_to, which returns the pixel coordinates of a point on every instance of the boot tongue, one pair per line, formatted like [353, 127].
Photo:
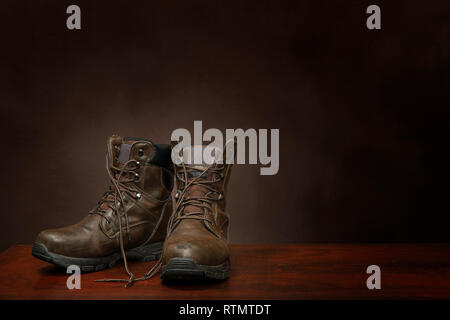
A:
[198, 161]
[193, 192]
[194, 155]
[196, 173]
[124, 154]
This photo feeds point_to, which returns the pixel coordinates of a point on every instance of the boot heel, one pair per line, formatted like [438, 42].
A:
[148, 252]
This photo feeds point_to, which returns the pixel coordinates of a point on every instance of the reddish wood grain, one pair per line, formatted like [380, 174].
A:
[297, 271]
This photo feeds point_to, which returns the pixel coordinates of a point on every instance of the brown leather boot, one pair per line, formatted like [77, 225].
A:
[142, 176]
[196, 246]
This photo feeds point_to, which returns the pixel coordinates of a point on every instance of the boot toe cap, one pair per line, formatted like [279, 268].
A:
[202, 252]
[52, 240]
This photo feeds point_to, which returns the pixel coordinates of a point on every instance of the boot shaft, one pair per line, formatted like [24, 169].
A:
[149, 165]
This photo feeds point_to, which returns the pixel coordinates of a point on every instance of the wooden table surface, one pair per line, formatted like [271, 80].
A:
[294, 271]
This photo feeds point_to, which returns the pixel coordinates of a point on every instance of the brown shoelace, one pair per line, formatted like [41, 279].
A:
[204, 202]
[121, 180]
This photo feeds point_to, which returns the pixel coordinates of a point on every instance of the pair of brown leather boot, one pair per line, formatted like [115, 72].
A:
[138, 219]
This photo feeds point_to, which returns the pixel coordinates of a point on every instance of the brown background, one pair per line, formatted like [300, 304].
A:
[363, 115]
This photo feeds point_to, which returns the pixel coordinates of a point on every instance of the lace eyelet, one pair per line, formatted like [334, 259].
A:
[140, 152]
[220, 196]
[136, 176]
[138, 195]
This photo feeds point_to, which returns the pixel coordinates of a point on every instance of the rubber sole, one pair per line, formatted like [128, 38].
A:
[187, 269]
[149, 252]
